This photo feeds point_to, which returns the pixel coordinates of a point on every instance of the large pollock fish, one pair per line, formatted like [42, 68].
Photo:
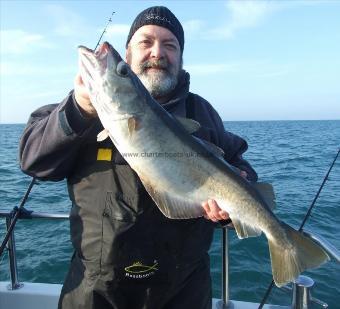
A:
[179, 171]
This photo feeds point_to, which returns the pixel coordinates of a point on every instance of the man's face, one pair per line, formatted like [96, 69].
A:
[154, 55]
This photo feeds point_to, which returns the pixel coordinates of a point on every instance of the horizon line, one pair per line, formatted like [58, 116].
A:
[253, 120]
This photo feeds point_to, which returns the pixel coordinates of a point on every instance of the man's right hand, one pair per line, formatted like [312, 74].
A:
[82, 98]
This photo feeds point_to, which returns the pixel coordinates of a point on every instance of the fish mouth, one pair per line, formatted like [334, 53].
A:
[93, 63]
[100, 52]
[85, 50]
[105, 57]
[87, 62]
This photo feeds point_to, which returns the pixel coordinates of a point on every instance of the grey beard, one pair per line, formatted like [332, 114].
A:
[159, 84]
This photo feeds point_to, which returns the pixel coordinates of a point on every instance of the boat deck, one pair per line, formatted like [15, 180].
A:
[45, 296]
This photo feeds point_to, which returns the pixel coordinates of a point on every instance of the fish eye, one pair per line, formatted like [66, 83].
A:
[122, 69]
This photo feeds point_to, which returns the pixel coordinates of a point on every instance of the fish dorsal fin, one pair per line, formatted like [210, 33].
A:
[266, 190]
[171, 205]
[190, 125]
[244, 230]
[217, 151]
[103, 135]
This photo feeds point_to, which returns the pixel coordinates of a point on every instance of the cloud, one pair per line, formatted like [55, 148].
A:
[67, 22]
[117, 30]
[243, 14]
[255, 69]
[27, 69]
[273, 72]
[17, 41]
[192, 27]
[211, 68]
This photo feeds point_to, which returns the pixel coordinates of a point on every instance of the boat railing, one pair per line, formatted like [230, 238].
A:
[11, 248]
[301, 289]
[15, 283]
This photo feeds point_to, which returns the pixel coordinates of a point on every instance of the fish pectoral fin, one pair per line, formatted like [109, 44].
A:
[190, 125]
[103, 135]
[171, 205]
[133, 124]
[244, 230]
[266, 190]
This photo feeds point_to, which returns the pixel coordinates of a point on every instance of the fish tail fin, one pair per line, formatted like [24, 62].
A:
[300, 254]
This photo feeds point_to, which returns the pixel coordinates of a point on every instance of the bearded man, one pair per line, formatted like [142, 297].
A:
[127, 255]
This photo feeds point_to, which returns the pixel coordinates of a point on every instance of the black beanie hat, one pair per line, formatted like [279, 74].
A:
[159, 16]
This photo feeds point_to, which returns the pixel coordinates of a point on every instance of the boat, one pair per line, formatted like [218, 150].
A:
[27, 295]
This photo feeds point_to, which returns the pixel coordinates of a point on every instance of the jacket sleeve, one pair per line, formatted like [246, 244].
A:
[234, 147]
[51, 140]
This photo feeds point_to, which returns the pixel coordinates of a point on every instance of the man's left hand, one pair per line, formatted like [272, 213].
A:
[213, 212]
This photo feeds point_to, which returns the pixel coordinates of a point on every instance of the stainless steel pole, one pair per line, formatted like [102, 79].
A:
[225, 267]
[12, 259]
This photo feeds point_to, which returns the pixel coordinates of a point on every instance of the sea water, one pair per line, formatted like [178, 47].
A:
[292, 155]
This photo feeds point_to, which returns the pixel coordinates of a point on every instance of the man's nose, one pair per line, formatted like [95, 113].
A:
[157, 50]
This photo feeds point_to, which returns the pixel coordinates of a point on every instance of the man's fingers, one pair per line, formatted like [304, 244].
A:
[223, 214]
[79, 85]
[78, 81]
[213, 211]
[206, 209]
[244, 174]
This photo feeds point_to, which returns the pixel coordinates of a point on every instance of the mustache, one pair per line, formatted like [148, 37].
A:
[156, 64]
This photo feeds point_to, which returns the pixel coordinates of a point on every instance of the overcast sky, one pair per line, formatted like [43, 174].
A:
[253, 60]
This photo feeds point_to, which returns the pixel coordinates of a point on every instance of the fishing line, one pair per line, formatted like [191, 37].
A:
[269, 289]
[2, 258]
[100, 38]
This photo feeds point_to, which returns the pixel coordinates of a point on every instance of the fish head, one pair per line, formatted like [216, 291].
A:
[110, 82]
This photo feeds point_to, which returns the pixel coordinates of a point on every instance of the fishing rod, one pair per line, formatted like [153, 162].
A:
[16, 214]
[17, 211]
[100, 38]
[269, 289]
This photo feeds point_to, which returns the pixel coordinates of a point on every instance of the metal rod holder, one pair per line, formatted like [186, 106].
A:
[301, 297]
[302, 294]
